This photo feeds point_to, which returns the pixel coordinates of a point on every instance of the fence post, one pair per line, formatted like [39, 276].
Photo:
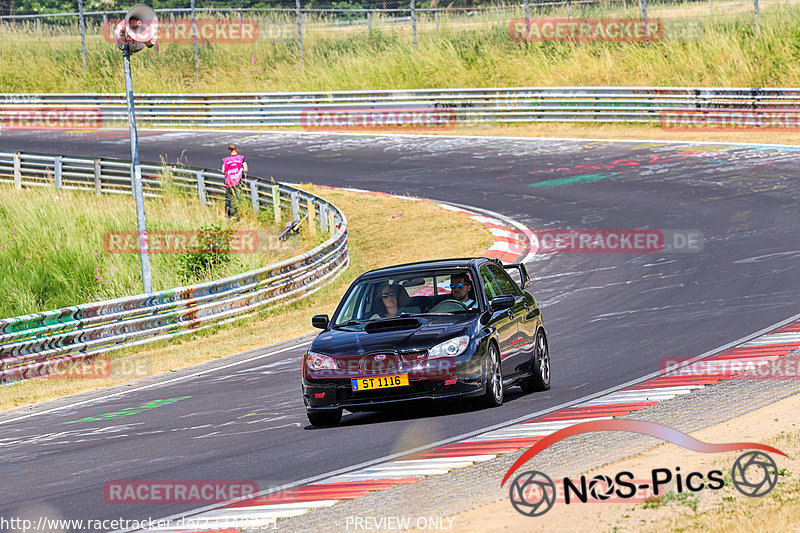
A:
[38, 26]
[58, 165]
[436, 16]
[295, 206]
[201, 186]
[276, 203]
[527, 19]
[369, 21]
[105, 19]
[17, 171]
[323, 216]
[569, 15]
[758, 17]
[97, 185]
[310, 208]
[299, 32]
[254, 195]
[194, 39]
[497, 10]
[414, 19]
[643, 3]
[82, 25]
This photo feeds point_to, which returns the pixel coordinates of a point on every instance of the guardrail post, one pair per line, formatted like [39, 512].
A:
[332, 221]
[323, 216]
[58, 164]
[310, 208]
[254, 195]
[17, 171]
[295, 206]
[201, 187]
[97, 184]
[276, 203]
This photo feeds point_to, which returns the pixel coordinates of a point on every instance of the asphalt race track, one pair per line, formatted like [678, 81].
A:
[611, 317]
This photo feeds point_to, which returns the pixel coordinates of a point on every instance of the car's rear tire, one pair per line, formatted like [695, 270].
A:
[325, 418]
[539, 380]
[493, 397]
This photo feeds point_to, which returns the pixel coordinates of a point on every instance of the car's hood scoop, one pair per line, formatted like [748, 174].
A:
[392, 325]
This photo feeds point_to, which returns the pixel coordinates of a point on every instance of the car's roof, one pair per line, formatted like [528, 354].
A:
[464, 262]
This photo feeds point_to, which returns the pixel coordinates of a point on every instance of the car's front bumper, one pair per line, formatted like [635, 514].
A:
[320, 395]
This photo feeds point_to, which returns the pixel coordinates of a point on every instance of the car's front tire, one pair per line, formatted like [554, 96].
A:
[325, 418]
[493, 397]
[539, 380]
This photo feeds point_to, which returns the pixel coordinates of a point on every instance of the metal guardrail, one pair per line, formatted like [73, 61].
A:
[499, 105]
[32, 343]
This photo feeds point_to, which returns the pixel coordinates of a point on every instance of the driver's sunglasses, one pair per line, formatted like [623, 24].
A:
[457, 286]
[387, 295]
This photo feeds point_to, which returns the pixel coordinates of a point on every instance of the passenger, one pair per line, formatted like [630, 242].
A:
[388, 299]
[461, 290]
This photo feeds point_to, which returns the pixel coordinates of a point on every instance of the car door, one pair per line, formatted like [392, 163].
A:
[518, 360]
[503, 322]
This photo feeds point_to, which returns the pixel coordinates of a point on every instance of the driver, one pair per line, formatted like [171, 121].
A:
[461, 288]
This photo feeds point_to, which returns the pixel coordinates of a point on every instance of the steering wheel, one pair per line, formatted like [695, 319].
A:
[448, 305]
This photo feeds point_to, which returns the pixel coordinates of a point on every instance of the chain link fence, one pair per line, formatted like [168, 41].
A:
[89, 23]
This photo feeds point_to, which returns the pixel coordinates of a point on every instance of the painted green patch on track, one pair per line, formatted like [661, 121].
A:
[128, 411]
[574, 180]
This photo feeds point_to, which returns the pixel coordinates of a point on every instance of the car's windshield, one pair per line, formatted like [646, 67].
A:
[408, 294]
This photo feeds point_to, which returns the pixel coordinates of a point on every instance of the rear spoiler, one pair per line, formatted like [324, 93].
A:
[524, 278]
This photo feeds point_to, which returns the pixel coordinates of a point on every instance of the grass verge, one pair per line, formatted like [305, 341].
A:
[383, 231]
[723, 50]
[62, 247]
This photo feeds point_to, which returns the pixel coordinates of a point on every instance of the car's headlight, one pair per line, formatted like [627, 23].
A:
[451, 348]
[317, 361]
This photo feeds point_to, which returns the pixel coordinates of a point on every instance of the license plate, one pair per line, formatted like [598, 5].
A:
[379, 382]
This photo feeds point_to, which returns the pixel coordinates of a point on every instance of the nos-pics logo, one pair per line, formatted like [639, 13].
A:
[533, 493]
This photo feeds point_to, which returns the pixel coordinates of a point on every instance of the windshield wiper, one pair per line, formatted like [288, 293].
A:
[351, 323]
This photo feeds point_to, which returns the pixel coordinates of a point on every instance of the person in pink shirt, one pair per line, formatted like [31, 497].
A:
[234, 168]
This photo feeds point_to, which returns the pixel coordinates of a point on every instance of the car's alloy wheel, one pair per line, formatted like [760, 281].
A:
[325, 418]
[493, 396]
[539, 379]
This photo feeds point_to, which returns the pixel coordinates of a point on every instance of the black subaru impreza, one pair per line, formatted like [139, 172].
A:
[455, 328]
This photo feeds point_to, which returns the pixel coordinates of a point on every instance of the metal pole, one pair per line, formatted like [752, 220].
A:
[414, 19]
[369, 21]
[497, 11]
[568, 10]
[194, 38]
[643, 3]
[710, 9]
[527, 18]
[299, 31]
[136, 175]
[436, 16]
[758, 18]
[83, 33]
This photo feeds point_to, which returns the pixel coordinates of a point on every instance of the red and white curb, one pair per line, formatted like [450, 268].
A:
[264, 510]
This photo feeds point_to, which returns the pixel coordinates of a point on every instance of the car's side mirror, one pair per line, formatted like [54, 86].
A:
[502, 302]
[320, 321]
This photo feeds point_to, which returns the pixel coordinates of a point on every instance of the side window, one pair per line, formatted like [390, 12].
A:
[490, 287]
[507, 285]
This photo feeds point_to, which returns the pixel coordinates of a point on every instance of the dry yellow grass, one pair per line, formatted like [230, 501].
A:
[383, 231]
